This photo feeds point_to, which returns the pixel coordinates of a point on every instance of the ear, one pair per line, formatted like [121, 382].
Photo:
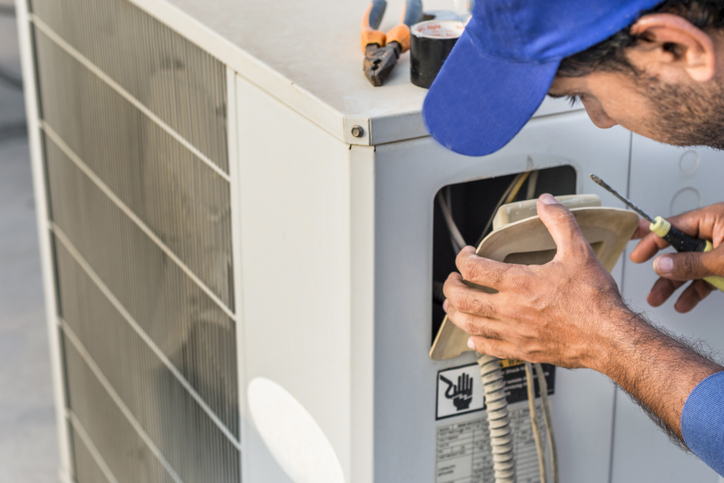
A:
[673, 46]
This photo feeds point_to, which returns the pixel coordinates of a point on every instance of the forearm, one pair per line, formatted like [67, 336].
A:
[656, 369]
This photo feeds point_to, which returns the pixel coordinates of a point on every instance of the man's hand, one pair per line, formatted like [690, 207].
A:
[677, 268]
[558, 312]
[569, 312]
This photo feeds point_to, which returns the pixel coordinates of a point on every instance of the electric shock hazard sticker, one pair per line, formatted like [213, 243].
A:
[460, 391]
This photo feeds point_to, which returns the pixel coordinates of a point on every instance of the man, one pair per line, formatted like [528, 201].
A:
[655, 68]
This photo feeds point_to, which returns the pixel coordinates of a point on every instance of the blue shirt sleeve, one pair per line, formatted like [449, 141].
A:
[702, 421]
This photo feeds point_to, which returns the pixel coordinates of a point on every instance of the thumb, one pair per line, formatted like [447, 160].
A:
[561, 224]
[685, 266]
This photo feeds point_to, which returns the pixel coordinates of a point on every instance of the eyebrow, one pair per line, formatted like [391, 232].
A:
[558, 95]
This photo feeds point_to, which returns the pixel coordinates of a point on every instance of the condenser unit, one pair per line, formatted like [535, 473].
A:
[240, 244]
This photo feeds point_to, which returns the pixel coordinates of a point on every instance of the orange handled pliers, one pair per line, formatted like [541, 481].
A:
[382, 50]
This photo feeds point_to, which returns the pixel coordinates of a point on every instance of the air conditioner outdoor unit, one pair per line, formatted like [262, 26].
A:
[240, 240]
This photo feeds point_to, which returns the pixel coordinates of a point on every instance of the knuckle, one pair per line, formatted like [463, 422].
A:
[690, 264]
[457, 300]
[470, 270]
[473, 328]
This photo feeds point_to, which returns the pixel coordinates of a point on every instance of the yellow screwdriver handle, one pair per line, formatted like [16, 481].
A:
[715, 280]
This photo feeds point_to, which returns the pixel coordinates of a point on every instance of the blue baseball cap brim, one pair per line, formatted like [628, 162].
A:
[478, 103]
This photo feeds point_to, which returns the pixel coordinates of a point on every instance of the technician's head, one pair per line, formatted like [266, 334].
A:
[655, 68]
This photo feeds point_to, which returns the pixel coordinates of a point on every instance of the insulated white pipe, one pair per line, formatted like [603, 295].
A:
[501, 434]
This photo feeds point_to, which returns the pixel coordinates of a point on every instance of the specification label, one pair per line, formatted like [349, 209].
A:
[463, 450]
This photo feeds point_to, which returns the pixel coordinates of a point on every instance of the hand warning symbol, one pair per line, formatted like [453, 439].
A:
[460, 393]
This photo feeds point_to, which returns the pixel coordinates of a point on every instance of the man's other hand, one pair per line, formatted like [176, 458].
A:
[675, 269]
[560, 312]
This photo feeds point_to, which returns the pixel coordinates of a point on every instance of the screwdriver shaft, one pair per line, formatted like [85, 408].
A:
[628, 202]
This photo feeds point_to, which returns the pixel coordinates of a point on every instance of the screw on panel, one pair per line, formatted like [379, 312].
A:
[357, 131]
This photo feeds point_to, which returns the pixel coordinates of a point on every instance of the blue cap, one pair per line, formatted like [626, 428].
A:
[502, 66]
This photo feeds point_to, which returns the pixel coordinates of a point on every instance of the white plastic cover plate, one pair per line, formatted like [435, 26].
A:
[293, 437]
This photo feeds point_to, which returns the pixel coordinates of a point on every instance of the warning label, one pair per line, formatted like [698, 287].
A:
[459, 390]
[463, 450]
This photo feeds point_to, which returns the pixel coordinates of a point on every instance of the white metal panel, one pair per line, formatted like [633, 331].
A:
[666, 180]
[362, 266]
[296, 244]
[46, 255]
[408, 174]
[308, 56]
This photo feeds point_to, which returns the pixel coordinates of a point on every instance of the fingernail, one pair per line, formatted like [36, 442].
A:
[444, 305]
[471, 343]
[664, 265]
[548, 199]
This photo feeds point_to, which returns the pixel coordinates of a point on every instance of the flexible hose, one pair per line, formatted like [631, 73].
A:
[501, 434]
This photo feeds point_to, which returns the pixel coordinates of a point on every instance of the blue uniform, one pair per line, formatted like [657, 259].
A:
[702, 421]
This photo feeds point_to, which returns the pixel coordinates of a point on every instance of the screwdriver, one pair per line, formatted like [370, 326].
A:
[675, 237]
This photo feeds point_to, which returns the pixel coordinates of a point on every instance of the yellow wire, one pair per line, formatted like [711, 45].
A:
[518, 185]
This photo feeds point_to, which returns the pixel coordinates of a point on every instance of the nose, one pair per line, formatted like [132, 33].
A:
[599, 116]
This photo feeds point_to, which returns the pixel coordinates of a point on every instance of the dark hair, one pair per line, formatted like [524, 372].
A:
[610, 55]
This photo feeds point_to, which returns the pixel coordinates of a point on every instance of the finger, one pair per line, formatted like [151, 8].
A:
[642, 230]
[562, 226]
[694, 293]
[481, 271]
[473, 325]
[497, 348]
[661, 291]
[648, 247]
[462, 298]
[689, 265]
[704, 223]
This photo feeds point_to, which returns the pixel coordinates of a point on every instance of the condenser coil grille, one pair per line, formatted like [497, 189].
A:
[179, 82]
[179, 197]
[134, 132]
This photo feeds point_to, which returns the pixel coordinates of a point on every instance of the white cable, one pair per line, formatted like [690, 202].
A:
[534, 422]
[545, 402]
[454, 232]
[510, 194]
[501, 434]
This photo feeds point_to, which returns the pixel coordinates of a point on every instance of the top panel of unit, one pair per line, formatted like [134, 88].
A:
[307, 54]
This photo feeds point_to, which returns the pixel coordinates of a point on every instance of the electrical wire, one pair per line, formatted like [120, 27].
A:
[457, 238]
[501, 434]
[532, 185]
[534, 422]
[448, 198]
[511, 192]
[545, 402]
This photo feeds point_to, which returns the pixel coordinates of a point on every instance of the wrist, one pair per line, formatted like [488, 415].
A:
[618, 328]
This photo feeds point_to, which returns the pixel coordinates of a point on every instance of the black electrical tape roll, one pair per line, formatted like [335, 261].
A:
[430, 44]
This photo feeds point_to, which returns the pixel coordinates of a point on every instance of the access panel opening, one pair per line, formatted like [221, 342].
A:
[464, 212]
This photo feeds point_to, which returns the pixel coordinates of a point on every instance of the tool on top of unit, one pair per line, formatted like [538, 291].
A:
[675, 237]
[382, 50]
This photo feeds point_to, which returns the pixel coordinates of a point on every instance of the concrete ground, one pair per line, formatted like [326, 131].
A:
[28, 445]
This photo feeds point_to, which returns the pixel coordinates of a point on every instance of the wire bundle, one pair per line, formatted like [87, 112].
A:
[547, 420]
